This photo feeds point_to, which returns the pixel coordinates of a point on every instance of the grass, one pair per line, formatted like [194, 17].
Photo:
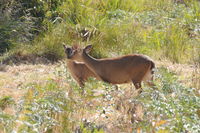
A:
[6, 101]
[175, 104]
[57, 104]
[162, 29]
[49, 100]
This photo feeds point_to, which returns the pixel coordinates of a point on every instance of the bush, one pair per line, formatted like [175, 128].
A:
[22, 20]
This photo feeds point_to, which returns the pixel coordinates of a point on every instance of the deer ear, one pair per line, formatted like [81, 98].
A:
[64, 46]
[88, 48]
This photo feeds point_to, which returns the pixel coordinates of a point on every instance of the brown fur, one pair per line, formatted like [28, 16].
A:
[133, 68]
[80, 72]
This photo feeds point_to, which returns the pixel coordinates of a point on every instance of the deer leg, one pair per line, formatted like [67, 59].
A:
[148, 79]
[151, 84]
[138, 86]
[81, 83]
[116, 87]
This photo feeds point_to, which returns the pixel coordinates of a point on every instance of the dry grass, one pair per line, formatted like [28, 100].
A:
[187, 74]
[13, 78]
[99, 110]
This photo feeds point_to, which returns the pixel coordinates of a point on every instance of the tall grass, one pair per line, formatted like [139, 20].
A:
[159, 28]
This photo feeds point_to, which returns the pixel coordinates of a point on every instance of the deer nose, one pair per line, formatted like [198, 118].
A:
[68, 56]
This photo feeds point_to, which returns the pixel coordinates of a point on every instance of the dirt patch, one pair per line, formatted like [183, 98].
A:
[14, 78]
[187, 74]
[19, 58]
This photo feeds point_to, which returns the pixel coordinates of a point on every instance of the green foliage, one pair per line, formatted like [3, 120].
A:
[22, 20]
[45, 109]
[60, 105]
[173, 103]
[88, 127]
[14, 26]
[159, 28]
[6, 101]
[6, 122]
[172, 107]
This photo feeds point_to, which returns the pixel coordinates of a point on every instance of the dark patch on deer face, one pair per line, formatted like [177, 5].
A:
[68, 51]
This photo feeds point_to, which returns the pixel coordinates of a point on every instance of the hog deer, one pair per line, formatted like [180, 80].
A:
[133, 68]
[79, 71]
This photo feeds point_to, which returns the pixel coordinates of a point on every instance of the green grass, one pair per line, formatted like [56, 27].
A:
[45, 109]
[6, 101]
[162, 29]
[173, 103]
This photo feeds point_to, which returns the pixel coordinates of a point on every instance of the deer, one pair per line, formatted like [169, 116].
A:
[79, 71]
[134, 68]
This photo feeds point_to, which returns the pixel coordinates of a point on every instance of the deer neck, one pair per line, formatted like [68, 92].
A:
[91, 62]
[70, 64]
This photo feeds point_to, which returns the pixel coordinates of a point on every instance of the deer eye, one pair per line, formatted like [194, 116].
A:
[69, 52]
